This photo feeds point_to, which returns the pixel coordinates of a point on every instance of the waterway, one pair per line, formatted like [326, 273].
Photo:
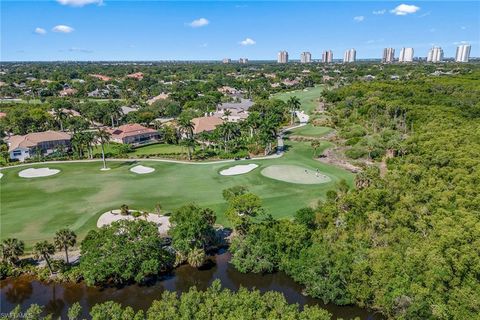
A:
[58, 297]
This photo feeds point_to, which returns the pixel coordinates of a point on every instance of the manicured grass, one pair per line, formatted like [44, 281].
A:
[159, 148]
[33, 209]
[308, 99]
[311, 131]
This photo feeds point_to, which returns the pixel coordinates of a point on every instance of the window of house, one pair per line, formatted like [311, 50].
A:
[17, 153]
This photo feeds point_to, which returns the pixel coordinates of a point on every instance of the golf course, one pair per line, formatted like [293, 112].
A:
[308, 98]
[77, 193]
[33, 209]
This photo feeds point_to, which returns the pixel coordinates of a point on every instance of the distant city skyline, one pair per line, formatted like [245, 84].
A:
[162, 30]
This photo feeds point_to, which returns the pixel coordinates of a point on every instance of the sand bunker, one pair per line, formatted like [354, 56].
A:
[37, 172]
[142, 169]
[238, 169]
[1, 175]
[295, 174]
[107, 218]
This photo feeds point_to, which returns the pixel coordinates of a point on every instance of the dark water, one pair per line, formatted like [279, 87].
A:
[57, 298]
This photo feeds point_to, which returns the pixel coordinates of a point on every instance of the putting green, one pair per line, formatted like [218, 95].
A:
[295, 174]
[34, 209]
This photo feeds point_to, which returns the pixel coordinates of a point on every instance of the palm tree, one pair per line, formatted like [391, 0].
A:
[60, 116]
[44, 249]
[65, 238]
[114, 111]
[196, 257]
[186, 128]
[12, 249]
[103, 137]
[294, 105]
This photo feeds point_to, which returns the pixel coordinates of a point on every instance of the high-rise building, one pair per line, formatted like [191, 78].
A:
[388, 55]
[226, 60]
[305, 57]
[463, 53]
[435, 55]
[282, 57]
[349, 56]
[327, 56]
[243, 60]
[406, 55]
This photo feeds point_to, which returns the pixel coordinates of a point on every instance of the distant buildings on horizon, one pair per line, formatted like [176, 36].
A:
[435, 54]
[282, 57]
[463, 53]
[349, 56]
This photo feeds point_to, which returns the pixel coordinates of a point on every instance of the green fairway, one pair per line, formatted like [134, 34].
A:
[308, 99]
[33, 209]
[311, 131]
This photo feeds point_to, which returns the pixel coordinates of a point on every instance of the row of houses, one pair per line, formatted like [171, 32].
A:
[23, 147]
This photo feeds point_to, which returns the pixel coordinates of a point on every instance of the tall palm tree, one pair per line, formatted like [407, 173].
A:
[186, 128]
[64, 239]
[12, 249]
[44, 249]
[294, 105]
[196, 257]
[60, 116]
[103, 137]
[114, 111]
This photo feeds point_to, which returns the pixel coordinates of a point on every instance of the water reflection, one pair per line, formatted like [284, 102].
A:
[57, 298]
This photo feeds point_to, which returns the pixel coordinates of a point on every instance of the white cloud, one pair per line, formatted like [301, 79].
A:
[40, 31]
[62, 29]
[404, 9]
[359, 18]
[247, 42]
[379, 12]
[79, 3]
[199, 23]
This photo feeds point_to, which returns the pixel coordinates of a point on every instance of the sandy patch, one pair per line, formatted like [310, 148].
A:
[107, 218]
[37, 172]
[141, 169]
[295, 174]
[1, 175]
[302, 116]
[238, 169]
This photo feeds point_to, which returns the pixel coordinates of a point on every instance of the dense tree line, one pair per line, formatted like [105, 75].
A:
[407, 242]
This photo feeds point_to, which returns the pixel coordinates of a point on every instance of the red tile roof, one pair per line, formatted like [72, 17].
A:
[130, 130]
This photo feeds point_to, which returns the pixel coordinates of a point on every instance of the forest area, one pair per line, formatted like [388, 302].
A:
[406, 243]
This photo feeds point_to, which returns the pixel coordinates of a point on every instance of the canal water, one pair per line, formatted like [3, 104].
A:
[57, 298]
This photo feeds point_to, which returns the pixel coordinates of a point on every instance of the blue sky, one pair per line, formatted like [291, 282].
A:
[169, 30]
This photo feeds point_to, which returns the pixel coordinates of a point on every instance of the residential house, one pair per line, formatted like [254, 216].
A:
[161, 96]
[136, 76]
[234, 111]
[207, 123]
[67, 92]
[133, 133]
[23, 147]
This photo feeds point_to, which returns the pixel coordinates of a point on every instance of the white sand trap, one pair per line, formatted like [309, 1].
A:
[1, 175]
[295, 174]
[238, 169]
[107, 218]
[142, 169]
[37, 172]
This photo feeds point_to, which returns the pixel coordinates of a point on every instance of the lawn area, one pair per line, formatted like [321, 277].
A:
[311, 131]
[33, 209]
[308, 98]
[159, 148]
